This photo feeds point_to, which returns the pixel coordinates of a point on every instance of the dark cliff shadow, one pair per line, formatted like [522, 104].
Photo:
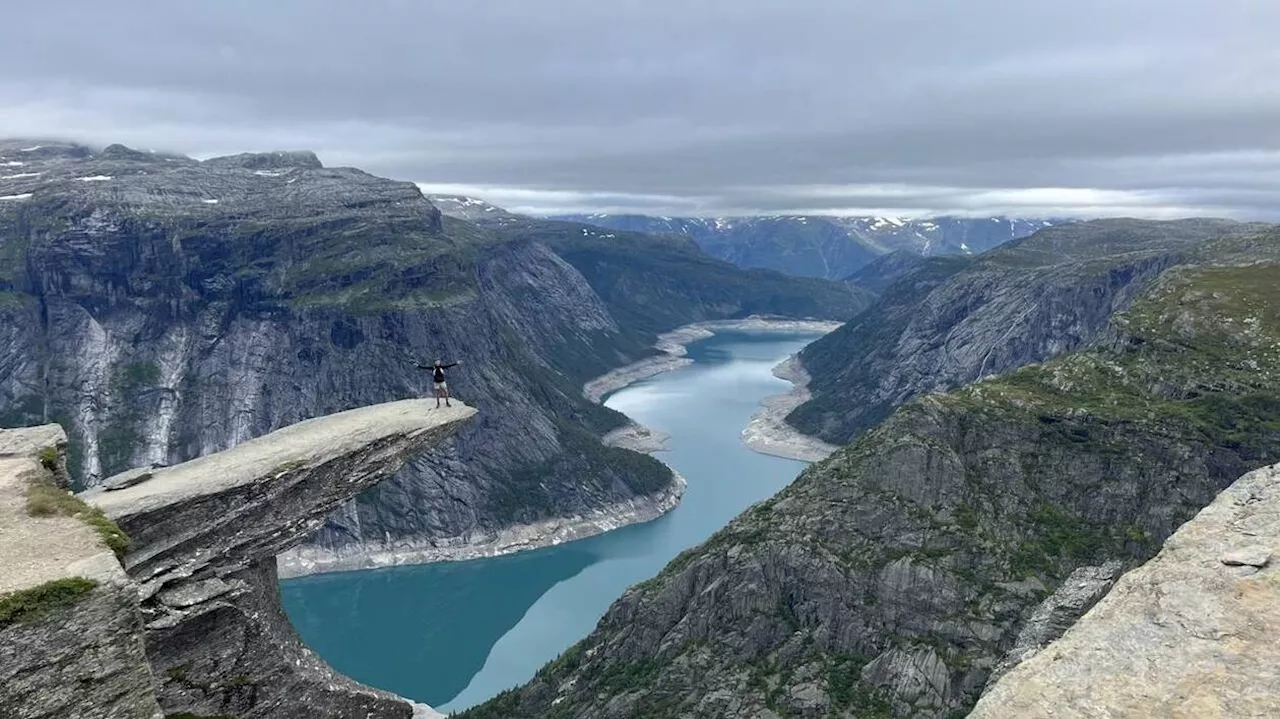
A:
[423, 631]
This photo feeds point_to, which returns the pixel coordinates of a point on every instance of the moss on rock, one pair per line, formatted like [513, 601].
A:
[28, 605]
[46, 500]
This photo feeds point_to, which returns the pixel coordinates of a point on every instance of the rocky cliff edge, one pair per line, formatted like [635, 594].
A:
[188, 619]
[71, 636]
[1195, 632]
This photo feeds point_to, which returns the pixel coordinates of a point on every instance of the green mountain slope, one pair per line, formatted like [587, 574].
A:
[949, 321]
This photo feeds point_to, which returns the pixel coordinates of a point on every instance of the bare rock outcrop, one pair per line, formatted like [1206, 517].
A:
[191, 624]
[71, 636]
[206, 534]
[1195, 632]
[1076, 595]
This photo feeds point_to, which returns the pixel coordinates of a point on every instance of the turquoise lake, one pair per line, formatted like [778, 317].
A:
[455, 634]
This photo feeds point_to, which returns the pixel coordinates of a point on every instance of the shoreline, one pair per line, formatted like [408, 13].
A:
[767, 432]
[637, 438]
[307, 560]
[674, 348]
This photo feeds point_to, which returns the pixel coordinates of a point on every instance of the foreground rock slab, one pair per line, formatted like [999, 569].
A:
[205, 538]
[83, 656]
[1195, 632]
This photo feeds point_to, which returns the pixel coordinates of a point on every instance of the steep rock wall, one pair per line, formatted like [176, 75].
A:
[158, 325]
[950, 321]
[205, 535]
[893, 578]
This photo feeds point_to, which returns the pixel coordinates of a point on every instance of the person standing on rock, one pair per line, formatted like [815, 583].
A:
[437, 380]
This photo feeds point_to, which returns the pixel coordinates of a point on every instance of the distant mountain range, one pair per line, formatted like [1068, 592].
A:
[823, 246]
[829, 247]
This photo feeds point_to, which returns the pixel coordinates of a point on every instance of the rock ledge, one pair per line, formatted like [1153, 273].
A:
[192, 623]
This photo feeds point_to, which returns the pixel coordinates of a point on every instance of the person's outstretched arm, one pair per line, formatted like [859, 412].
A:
[447, 366]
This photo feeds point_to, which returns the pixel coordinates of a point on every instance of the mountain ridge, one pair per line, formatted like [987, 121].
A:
[946, 321]
[832, 247]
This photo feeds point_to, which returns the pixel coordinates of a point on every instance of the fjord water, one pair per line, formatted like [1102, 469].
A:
[455, 634]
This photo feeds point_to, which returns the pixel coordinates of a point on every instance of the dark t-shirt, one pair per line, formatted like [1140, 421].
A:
[437, 374]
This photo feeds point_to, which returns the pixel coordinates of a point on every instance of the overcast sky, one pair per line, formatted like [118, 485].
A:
[906, 107]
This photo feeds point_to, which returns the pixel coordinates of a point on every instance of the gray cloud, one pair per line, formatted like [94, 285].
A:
[1105, 107]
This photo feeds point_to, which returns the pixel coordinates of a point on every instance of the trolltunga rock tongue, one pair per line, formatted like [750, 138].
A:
[205, 535]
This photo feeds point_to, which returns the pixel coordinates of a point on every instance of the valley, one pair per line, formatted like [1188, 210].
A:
[453, 635]
[640, 360]
[179, 307]
[891, 578]
[984, 427]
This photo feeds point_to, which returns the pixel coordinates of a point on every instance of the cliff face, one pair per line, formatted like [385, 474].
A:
[163, 308]
[205, 535]
[892, 578]
[950, 321]
[182, 613]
